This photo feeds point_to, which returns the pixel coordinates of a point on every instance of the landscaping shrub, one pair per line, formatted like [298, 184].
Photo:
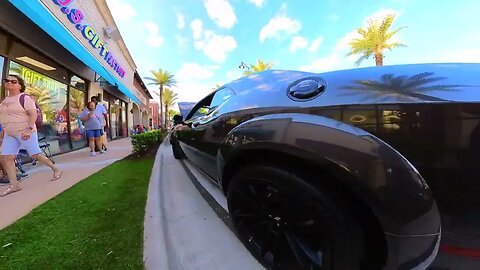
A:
[147, 142]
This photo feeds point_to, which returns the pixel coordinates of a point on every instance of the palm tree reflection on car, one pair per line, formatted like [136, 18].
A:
[403, 88]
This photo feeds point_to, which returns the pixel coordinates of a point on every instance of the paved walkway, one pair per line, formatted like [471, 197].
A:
[38, 188]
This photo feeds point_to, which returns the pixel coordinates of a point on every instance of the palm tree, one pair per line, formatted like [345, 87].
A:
[216, 86]
[44, 99]
[403, 88]
[169, 98]
[162, 78]
[258, 67]
[77, 100]
[374, 40]
[172, 113]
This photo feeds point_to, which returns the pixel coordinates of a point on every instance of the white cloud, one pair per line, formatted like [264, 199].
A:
[257, 3]
[221, 12]
[315, 44]
[278, 25]
[192, 92]
[154, 39]
[379, 15]
[234, 74]
[122, 12]
[195, 71]
[298, 42]
[328, 63]
[197, 28]
[180, 20]
[343, 43]
[216, 46]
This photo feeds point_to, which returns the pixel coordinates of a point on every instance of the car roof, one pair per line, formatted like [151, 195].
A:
[397, 83]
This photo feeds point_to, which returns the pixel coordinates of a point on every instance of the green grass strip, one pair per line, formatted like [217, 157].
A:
[96, 224]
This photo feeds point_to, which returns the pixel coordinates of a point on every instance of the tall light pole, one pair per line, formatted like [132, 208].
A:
[244, 66]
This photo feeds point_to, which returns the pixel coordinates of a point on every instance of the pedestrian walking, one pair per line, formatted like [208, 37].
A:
[19, 132]
[93, 126]
[100, 109]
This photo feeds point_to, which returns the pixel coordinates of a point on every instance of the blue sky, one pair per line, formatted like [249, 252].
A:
[203, 41]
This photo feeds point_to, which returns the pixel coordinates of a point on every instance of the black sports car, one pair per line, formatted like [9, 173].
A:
[345, 169]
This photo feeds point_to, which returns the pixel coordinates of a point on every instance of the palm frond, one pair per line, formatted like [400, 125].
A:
[394, 45]
[362, 58]
[386, 24]
[393, 33]
[374, 38]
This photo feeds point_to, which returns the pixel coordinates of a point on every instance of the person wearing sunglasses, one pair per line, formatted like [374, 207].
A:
[19, 132]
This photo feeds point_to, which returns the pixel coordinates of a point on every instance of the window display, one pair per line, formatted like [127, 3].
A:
[77, 105]
[2, 60]
[51, 96]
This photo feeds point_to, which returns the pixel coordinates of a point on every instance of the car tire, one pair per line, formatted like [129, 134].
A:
[287, 223]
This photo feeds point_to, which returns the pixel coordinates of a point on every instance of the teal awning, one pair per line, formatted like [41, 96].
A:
[41, 16]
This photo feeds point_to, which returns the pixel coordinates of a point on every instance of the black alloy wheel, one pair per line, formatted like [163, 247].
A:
[287, 223]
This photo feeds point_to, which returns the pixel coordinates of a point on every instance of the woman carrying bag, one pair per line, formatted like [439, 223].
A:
[19, 131]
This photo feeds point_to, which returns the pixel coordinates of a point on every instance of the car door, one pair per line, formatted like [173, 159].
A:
[204, 140]
[187, 134]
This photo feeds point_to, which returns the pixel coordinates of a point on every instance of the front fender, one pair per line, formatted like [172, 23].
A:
[377, 173]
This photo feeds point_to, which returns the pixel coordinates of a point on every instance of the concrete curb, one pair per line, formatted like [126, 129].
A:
[154, 245]
[182, 231]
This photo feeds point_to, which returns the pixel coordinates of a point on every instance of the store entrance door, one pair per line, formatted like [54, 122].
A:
[114, 121]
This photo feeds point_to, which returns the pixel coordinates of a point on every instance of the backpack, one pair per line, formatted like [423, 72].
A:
[39, 120]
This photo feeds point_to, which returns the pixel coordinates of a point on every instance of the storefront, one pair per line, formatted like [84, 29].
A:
[117, 110]
[59, 92]
[61, 71]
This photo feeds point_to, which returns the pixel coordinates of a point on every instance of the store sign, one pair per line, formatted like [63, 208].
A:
[37, 80]
[76, 17]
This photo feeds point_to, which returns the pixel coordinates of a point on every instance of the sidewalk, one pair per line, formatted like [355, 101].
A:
[38, 188]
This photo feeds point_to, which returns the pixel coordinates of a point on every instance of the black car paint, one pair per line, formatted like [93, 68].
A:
[428, 114]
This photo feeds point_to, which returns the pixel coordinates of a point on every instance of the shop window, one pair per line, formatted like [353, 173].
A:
[51, 96]
[78, 83]
[2, 61]
[361, 116]
[35, 61]
[77, 105]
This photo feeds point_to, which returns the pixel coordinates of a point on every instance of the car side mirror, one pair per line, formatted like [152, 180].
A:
[177, 119]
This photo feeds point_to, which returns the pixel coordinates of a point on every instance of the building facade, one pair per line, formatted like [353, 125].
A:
[141, 114]
[155, 114]
[68, 51]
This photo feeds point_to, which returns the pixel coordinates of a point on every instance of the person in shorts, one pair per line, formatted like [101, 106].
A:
[92, 120]
[101, 109]
[19, 132]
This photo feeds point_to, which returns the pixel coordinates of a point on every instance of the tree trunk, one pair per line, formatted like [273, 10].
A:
[167, 117]
[379, 59]
[160, 109]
